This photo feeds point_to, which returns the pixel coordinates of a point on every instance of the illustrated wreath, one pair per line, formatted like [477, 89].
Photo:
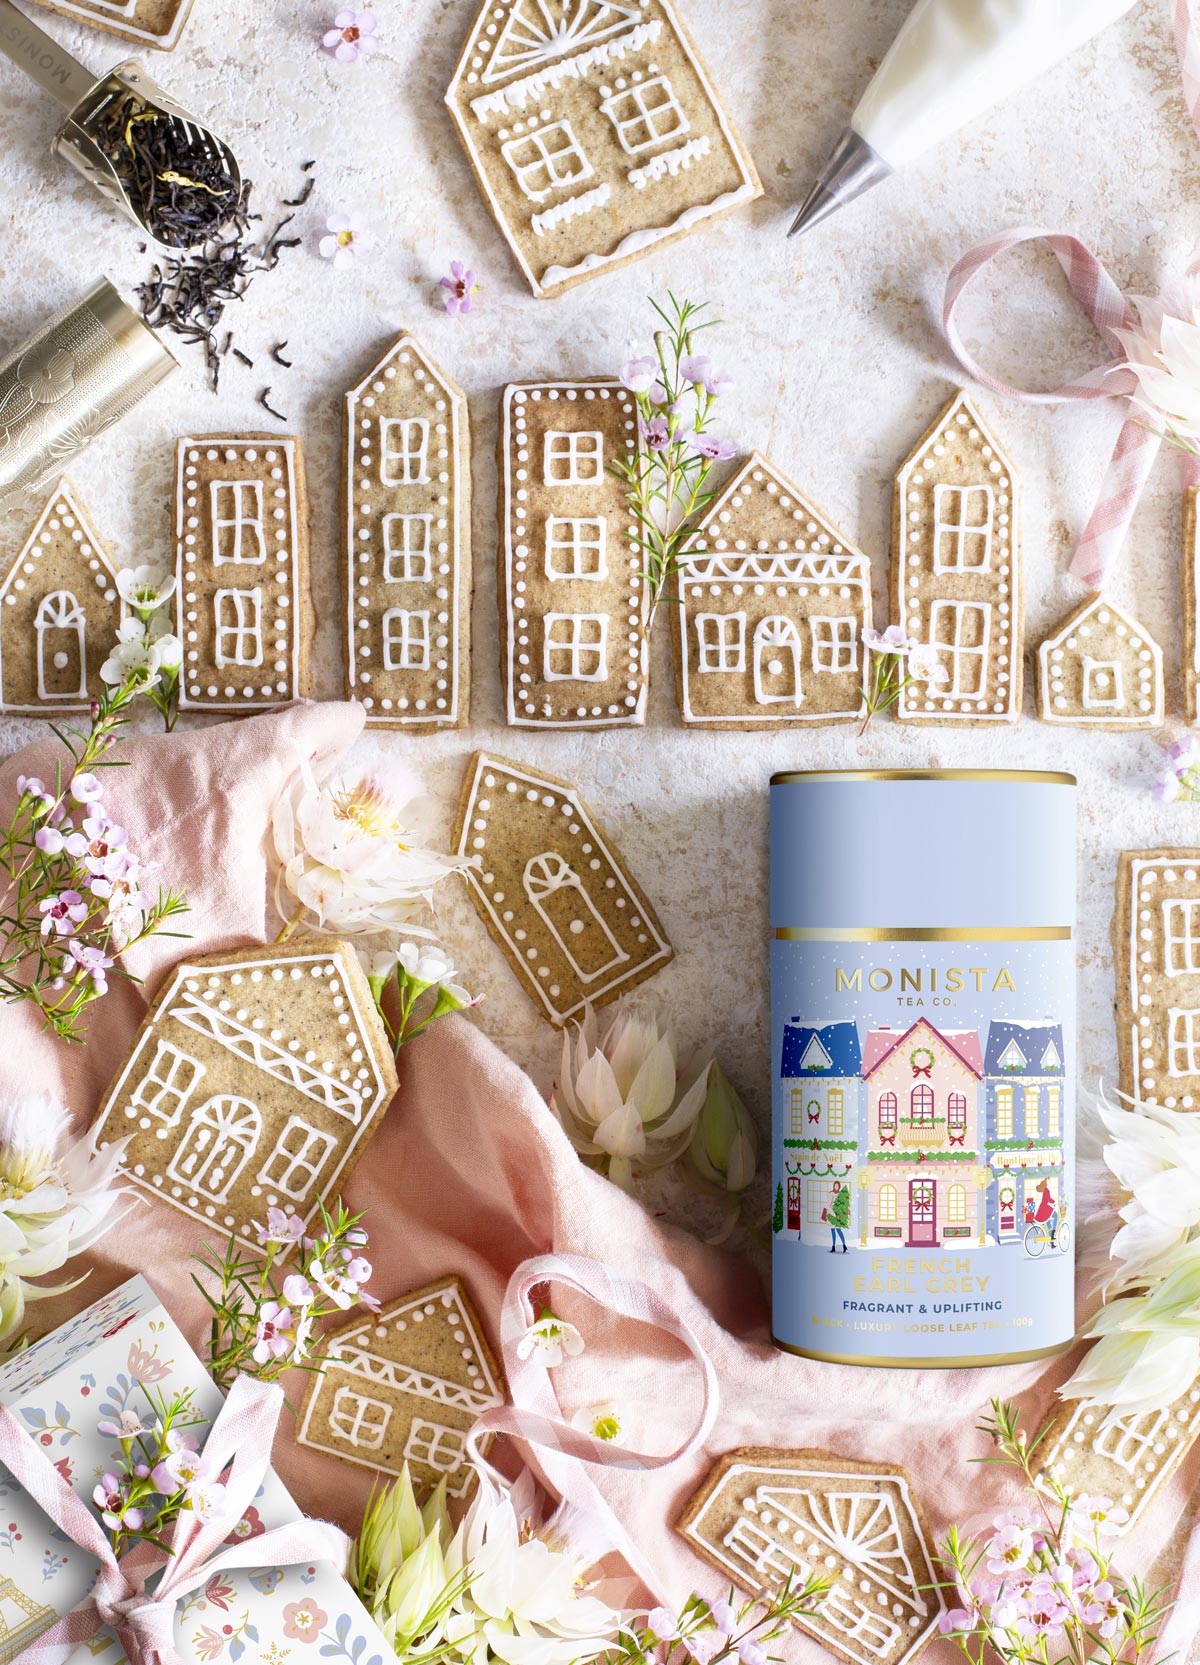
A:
[922, 1060]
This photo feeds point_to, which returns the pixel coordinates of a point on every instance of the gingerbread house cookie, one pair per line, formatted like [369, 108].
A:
[1100, 669]
[59, 612]
[406, 502]
[157, 23]
[241, 561]
[552, 890]
[1190, 572]
[956, 571]
[573, 606]
[772, 604]
[255, 1082]
[594, 131]
[1156, 958]
[1096, 1451]
[764, 1516]
[405, 1385]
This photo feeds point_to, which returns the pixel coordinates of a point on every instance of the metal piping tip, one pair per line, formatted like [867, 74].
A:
[818, 205]
[854, 167]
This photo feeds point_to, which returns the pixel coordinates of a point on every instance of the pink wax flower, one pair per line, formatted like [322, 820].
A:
[708, 445]
[92, 962]
[85, 788]
[282, 1228]
[61, 913]
[275, 1337]
[354, 35]
[460, 286]
[697, 368]
[639, 376]
[656, 433]
[345, 239]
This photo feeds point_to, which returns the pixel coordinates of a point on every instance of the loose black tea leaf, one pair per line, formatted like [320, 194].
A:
[277, 355]
[177, 180]
[264, 400]
[245, 358]
[299, 201]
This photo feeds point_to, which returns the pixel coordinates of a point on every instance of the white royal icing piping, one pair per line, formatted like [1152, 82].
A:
[570, 209]
[518, 93]
[670, 162]
[644, 239]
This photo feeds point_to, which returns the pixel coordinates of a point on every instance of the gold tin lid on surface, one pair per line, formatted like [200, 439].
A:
[1045, 777]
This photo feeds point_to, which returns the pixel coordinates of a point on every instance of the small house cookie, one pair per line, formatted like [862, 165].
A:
[1095, 1451]
[956, 571]
[764, 1516]
[573, 606]
[59, 612]
[552, 891]
[1190, 570]
[1100, 669]
[241, 562]
[772, 605]
[406, 513]
[255, 1082]
[1156, 959]
[594, 131]
[157, 23]
[405, 1385]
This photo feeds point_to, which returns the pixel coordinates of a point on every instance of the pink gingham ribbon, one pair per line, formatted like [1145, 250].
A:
[534, 1417]
[240, 1440]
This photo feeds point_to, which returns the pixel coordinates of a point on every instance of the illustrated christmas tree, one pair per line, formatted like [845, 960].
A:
[777, 1215]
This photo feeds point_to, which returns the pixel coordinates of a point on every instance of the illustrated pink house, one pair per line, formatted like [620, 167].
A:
[922, 1182]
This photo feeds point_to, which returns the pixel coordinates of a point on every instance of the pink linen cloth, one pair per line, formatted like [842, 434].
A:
[470, 1173]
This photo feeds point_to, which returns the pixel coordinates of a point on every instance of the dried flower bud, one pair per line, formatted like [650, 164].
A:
[724, 1148]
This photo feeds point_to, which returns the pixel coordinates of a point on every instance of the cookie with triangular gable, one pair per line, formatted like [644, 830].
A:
[59, 612]
[405, 1385]
[553, 890]
[763, 1516]
[1100, 669]
[773, 602]
[157, 23]
[255, 1081]
[406, 515]
[1096, 1451]
[595, 133]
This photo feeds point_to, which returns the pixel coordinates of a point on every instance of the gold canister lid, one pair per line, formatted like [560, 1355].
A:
[1044, 777]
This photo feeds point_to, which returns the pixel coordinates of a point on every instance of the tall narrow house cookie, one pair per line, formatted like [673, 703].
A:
[1156, 958]
[552, 891]
[1100, 669]
[406, 508]
[573, 606]
[59, 612]
[1190, 572]
[594, 131]
[157, 23]
[405, 1385]
[241, 561]
[773, 601]
[255, 1081]
[956, 571]
[763, 1517]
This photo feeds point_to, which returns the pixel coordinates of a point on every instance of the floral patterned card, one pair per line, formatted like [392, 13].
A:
[88, 1372]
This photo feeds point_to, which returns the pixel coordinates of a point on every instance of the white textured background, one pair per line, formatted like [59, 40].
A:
[839, 365]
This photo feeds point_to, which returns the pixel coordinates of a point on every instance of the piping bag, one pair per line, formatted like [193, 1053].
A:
[951, 61]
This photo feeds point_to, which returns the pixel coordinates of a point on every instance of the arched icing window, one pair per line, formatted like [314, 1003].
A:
[220, 1140]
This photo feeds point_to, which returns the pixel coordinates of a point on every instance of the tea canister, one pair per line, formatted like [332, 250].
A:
[923, 1063]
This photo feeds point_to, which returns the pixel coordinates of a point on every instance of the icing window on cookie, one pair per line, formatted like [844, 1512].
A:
[1103, 684]
[721, 638]
[560, 899]
[576, 647]
[407, 549]
[1133, 1441]
[437, 1447]
[573, 459]
[237, 522]
[405, 639]
[358, 1419]
[60, 628]
[834, 644]
[238, 615]
[1181, 936]
[759, 1550]
[645, 114]
[164, 1089]
[962, 528]
[777, 651]
[404, 451]
[546, 159]
[960, 630]
[1183, 1043]
[576, 548]
[294, 1166]
[220, 1139]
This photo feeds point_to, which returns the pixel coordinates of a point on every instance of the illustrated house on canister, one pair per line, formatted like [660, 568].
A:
[255, 1082]
[406, 494]
[922, 1183]
[594, 131]
[1023, 1119]
[956, 570]
[1156, 950]
[59, 612]
[819, 1074]
[768, 630]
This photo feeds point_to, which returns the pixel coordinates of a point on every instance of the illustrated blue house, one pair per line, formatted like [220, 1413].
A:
[820, 1084]
[1024, 1109]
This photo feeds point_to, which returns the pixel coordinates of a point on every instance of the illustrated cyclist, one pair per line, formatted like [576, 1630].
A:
[1047, 1211]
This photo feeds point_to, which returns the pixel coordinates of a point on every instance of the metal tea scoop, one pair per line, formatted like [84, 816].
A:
[151, 158]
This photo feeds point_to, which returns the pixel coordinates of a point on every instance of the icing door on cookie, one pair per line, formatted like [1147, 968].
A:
[777, 662]
[61, 661]
[219, 1142]
[922, 1213]
[557, 892]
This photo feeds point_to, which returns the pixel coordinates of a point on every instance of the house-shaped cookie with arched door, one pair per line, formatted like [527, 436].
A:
[59, 612]
[255, 1082]
[820, 1084]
